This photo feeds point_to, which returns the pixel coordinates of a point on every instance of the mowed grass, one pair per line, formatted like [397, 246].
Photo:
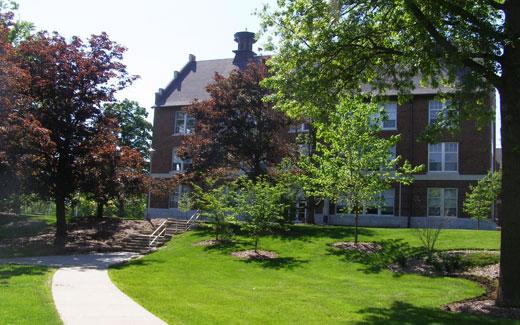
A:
[25, 295]
[308, 283]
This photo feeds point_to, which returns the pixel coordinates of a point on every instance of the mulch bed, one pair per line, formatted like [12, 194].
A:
[255, 255]
[486, 276]
[368, 248]
[212, 242]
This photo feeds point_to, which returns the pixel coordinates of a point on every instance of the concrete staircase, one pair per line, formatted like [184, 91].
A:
[146, 243]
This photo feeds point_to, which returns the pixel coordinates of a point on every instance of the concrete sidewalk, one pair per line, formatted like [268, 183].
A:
[83, 292]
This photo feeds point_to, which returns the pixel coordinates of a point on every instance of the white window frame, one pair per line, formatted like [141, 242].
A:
[300, 128]
[443, 157]
[379, 208]
[175, 196]
[182, 163]
[340, 204]
[442, 202]
[386, 106]
[433, 105]
[184, 128]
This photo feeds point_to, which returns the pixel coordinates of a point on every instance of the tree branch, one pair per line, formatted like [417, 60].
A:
[449, 47]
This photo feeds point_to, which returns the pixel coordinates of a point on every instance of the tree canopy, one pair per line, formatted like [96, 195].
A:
[464, 49]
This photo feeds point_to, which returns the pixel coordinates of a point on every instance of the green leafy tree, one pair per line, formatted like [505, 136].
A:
[481, 197]
[19, 30]
[352, 163]
[332, 47]
[134, 129]
[262, 205]
[216, 204]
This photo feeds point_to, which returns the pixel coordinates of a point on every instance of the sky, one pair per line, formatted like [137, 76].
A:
[159, 34]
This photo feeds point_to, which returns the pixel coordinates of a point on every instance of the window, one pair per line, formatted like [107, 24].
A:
[435, 108]
[385, 206]
[184, 124]
[300, 128]
[179, 165]
[442, 202]
[443, 157]
[390, 120]
[176, 195]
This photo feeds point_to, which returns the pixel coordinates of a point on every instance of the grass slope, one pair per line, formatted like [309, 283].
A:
[308, 283]
[25, 295]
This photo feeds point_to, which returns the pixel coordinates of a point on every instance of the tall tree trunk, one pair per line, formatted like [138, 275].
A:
[311, 208]
[61, 222]
[120, 207]
[100, 209]
[356, 222]
[509, 286]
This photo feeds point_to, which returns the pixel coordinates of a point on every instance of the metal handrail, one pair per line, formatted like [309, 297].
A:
[156, 237]
[190, 222]
[153, 236]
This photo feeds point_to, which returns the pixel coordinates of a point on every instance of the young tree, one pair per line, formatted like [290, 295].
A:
[235, 128]
[352, 162]
[262, 206]
[482, 196]
[217, 205]
[70, 82]
[333, 47]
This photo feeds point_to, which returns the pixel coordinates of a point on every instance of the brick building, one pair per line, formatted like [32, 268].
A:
[437, 194]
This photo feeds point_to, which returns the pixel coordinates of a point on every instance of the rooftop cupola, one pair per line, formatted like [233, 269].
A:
[244, 52]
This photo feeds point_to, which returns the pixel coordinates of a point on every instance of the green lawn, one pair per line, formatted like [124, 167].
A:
[25, 295]
[24, 225]
[308, 283]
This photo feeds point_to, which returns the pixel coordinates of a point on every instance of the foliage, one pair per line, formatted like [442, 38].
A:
[352, 163]
[217, 204]
[262, 206]
[112, 172]
[481, 197]
[19, 30]
[235, 128]
[134, 130]
[22, 137]
[70, 80]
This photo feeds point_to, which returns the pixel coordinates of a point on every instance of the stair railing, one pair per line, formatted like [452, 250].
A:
[192, 220]
[158, 232]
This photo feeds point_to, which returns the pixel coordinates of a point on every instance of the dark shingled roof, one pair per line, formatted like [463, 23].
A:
[192, 80]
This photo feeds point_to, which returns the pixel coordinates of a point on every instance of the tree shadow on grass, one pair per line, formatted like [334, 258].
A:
[392, 251]
[8, 271]
[310, 233]
[406, 313]
[277, 263]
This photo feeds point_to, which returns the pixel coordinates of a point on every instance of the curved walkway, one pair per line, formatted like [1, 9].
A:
[83, 292]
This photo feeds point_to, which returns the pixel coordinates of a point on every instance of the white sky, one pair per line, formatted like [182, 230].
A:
[159, 34]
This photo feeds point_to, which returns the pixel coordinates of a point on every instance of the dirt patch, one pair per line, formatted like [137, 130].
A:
[255, 255]
[415, 265]
[85, 235]
[212, 242]
[360, 247]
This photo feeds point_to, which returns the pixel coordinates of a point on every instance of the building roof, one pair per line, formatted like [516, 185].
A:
[190, 83]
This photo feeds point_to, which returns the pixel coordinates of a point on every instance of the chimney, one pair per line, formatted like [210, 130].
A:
[191, 58]
[244, 52]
